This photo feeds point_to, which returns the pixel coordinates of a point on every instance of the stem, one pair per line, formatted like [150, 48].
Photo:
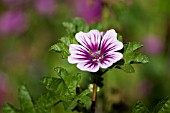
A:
[93, 106]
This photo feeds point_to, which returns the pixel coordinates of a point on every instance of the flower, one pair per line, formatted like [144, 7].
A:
[89, 10]
[14, 2]
[13, 22]
[154, 45]
[46, 7]
[97, 50]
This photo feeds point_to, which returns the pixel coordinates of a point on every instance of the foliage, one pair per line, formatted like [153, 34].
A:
[130, 53]
[162, 107]
[63, 88]
[131, 56]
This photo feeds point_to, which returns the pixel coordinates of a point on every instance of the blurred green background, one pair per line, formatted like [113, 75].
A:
[29, 27]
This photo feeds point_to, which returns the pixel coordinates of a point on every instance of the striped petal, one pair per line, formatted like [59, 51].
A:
[88, 66]
[90, 40]
[110, 43]
[110, 58]
[78, 54]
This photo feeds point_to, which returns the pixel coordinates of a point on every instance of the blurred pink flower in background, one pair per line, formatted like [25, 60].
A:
[153, 45]
[14, 2]
[13, 22]
[89, 10]
[46, 7]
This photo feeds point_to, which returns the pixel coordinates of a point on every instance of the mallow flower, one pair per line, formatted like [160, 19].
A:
[89, 10]
[46, 7]
[13, 22]
[95, 50]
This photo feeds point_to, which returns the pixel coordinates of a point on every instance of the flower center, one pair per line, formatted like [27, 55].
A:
[96, 57]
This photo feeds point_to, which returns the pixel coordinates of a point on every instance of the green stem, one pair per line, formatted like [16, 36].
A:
[94, 94]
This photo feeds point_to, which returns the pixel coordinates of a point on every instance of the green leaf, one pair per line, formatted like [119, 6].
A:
[140, 108]
[67, 40]
[25, 100]
[97, 26]
[26, 105]
[7, 108]
[57, 47]
[62, 88]
[120, 38]
[127, 68]
[163, 106]
[68, 81]
[75, 26]
[140, 58]
[70, 27]
[80, 25]
[131, 56]
[63, 46]
[69, 105]
[45, 101]
[132, 46]
[82, 98]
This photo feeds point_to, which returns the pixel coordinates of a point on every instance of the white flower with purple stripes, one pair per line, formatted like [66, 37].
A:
[96, 49]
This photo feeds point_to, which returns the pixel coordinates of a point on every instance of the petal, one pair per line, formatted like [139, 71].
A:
[110, 43]
[88, 66]
[110, 58]
[78, 54]
[90, 40]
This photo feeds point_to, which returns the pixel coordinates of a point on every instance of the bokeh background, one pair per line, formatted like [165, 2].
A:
[29, 27]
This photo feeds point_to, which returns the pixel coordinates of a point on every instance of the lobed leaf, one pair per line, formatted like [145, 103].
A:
[25, 100]
[67, 40]
[80, 25]
[7, 108]
[63, 89]
[163, 106]
[81, 98]
[127, 68]
[45, 102]
[63, 46]
[97, 26]
[26, 104]
[70, 27]
[131, 56]
[140, 108]
[75, 26]
[140, 58]
[132, 46]
[84, 99]
[57, 47]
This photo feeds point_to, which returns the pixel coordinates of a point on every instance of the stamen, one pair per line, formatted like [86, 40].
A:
[96, 59]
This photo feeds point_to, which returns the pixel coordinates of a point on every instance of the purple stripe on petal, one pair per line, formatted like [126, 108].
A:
[110, 33]
[90, 40]
[88, 66]
[78, 54]
[113, 46]
[109, 42]
[110, 58]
